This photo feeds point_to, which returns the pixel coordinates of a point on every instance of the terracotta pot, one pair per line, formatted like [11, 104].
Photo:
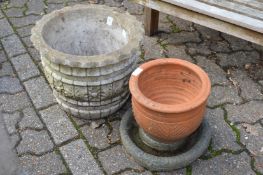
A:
[169, 98]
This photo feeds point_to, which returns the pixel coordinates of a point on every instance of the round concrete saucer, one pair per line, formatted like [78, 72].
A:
[167, 161]
[151, 142]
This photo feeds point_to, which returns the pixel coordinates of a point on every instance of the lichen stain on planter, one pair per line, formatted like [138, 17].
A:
[88, 53]
[169, 98]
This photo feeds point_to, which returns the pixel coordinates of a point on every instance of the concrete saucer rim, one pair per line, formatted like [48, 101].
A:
[159, 163]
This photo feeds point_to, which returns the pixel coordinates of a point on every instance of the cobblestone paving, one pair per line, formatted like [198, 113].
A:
[48, 141]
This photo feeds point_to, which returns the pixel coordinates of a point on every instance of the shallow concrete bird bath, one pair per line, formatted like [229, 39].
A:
[88, 53]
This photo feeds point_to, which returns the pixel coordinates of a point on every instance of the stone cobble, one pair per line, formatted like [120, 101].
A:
[34, 54]
[79, 159]
[182, 37]
[1, 15]
[25, 67]
[219, 46]
[26, 40]
[115, 159]
[132, 8]
[6, 69]
[223, 94]
[14, 12]
[34, 142]
[114, 136]
[177, 52]
[14, 102]
[249, 112]
[15, 3]
[151, 48]
[207, 33]
[58, 124]
[215, 73]
[13, 46]
[233, 65]
[2, 56]
[92, 134]
[25, 20]
[222, 135]
[39, 92]
[259, 164]
[11, 121]
[252, 137]
[52, 7]
[236, 43]
[169, 23]
[224, 164]
[14, 140]
[199, 48]
[249, 89]
[10, 85]
[5, 28]
[35, 7]
[30, 120]
[238, 59]
[50, 163]
[24, 31]
[136, 173]
[175, 172]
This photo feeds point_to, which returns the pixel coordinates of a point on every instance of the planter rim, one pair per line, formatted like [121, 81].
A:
[166, 108]
[134, 30]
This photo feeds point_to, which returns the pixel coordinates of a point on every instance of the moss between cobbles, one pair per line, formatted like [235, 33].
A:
[23, 43]
[45, 6]
[25, 9]
[163, 46]
[233, 127]
[252, 164]
[189, 170]
[155, 173]
[128, 170]
[162, 43]
[4, 4]
[173, 27]
[142, 55]
[94, 151]
[237, 132]
[107, 123]
[56, 150]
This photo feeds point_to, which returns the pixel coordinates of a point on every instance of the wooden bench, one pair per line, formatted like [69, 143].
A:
[240, 18]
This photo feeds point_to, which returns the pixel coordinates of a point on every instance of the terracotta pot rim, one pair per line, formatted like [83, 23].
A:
[175, 108]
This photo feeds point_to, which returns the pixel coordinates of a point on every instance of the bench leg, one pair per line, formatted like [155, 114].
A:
[151, 19]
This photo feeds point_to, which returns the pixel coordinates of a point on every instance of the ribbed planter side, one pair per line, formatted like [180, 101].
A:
[169, 129]
[92, 86]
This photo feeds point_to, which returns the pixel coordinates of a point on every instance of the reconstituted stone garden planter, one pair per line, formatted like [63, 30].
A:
[88, 53]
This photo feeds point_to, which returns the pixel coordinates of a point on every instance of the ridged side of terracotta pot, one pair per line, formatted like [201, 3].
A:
[89, 62]
[169, 98]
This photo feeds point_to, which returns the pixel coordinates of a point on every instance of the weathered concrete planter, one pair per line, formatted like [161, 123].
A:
[88, 53]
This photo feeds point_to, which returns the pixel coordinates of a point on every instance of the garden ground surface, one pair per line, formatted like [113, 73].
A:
[48, 141]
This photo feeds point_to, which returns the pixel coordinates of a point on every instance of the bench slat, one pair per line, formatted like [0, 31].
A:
[222, 14]
[205, 20]
[236, 8]
[257, 4]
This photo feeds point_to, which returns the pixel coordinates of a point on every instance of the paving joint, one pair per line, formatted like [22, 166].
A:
[93, 150]
[67, 169]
